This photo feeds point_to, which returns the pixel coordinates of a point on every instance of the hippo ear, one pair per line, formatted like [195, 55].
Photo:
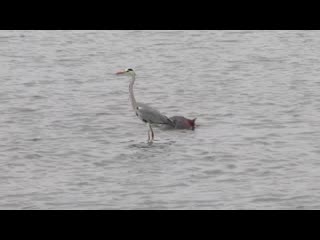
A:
[193, 123]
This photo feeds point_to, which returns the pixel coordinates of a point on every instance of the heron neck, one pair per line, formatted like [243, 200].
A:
[132, 98]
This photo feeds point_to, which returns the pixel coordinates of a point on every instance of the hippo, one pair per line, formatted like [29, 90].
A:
[180, 122]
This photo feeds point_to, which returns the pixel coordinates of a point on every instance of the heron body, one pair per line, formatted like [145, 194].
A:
[149, 114]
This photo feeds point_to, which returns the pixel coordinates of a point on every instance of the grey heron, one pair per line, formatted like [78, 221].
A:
[144, 112]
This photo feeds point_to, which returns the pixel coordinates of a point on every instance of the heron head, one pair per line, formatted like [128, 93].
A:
[128, 72]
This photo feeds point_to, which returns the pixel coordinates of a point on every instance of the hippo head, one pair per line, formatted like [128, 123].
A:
[183, 123]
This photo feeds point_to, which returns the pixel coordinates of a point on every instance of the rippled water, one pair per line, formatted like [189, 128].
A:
[70, 140]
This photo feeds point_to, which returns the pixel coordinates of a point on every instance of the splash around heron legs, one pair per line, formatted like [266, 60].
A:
[150, 134]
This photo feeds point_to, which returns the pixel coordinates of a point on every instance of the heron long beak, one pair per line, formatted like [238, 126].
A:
[122, 72]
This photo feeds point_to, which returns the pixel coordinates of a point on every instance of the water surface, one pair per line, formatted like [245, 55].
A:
[70, 140]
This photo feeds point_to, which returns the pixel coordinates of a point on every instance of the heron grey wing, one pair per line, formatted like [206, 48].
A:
[149, 114]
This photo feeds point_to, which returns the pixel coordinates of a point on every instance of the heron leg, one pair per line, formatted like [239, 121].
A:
[150, 131]
[152, 134]
[148, 135]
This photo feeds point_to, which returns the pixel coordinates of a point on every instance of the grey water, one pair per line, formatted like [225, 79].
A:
[70, 140]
